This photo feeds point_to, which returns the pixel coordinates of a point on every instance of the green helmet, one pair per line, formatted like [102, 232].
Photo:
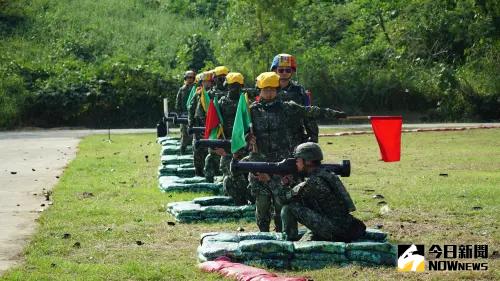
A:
[308, 151]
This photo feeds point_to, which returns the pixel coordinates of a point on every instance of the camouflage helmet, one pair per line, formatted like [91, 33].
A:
[308, 151]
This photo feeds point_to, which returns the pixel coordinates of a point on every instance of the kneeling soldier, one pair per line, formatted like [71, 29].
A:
[321, 202]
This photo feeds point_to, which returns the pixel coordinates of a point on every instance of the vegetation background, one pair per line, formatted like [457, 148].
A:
[110, 62]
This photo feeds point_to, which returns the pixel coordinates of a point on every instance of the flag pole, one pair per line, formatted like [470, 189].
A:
[358, 117]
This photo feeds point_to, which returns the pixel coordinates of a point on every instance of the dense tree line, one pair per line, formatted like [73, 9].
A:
[100, 63]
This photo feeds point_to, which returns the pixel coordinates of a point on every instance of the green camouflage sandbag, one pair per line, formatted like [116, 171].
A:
[214, 200]
[247, 210]
[164, 140]
[333, 258]
[269, 263]
[193, 187]
[176, 159]
[378, 258]
[219, 237]
[176, 170]
[184, 208]
[266, 248]
[213, 250]
[319, 247]
[174, 150]
[261, 236]
[384, 247]
[220, 211]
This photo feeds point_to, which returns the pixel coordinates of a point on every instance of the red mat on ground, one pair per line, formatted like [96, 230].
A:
[241, 272]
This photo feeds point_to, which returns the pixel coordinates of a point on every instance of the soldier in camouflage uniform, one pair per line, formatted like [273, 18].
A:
[181, 106]
[321, 202]
[196, 118]
[212, 160]
[235, 185]
[285, 65]
[271, 121]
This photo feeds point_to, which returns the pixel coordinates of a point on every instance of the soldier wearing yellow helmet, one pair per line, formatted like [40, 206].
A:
[219, 88]
[212, 160]
[272, 124]
[196, 118]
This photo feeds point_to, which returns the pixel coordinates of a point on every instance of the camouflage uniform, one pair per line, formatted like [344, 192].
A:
[212, 160]
[318, 204]
[196, 118]
[272, 125]
[181, 107]
[295, 92]
[235, 185]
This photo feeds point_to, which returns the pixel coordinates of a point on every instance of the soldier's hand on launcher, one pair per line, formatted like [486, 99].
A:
[263, 177]
[220, 151]
[251, 139]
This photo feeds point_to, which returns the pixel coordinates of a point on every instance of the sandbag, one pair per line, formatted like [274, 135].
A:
[185, 208]
[260, 236]
[378, 258]
[221, 211]
[174, 149]
[266, 248]
[211, 213]
[176, 170]
[168, 140]
[330, 257]
[220, 237]
[214, 200]
[214, 249]
[194, 187]
[269, 263]
[384, 247]
[176, 159]
[319, 247]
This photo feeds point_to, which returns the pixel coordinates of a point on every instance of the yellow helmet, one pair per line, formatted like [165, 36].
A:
[221, 70]
[268, 79]
[207, 76]
[197, 77]
[234, 77]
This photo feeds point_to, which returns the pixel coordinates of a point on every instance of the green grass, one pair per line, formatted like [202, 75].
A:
[127, 206]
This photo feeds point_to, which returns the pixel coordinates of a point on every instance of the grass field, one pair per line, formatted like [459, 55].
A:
[95, 236]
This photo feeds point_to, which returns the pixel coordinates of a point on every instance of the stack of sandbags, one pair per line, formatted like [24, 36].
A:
[182, 170]
[210, 209]
[193, 184]
[271, 250]
[174, 149]
[185, 211]
[256, 248]
[176, 159]
[168, 140]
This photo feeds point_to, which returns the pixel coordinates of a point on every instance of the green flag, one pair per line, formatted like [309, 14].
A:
[242, 124]
[191, 96]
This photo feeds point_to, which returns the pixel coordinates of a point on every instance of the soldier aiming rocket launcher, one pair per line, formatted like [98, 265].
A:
[286, 167]
[213, 144]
